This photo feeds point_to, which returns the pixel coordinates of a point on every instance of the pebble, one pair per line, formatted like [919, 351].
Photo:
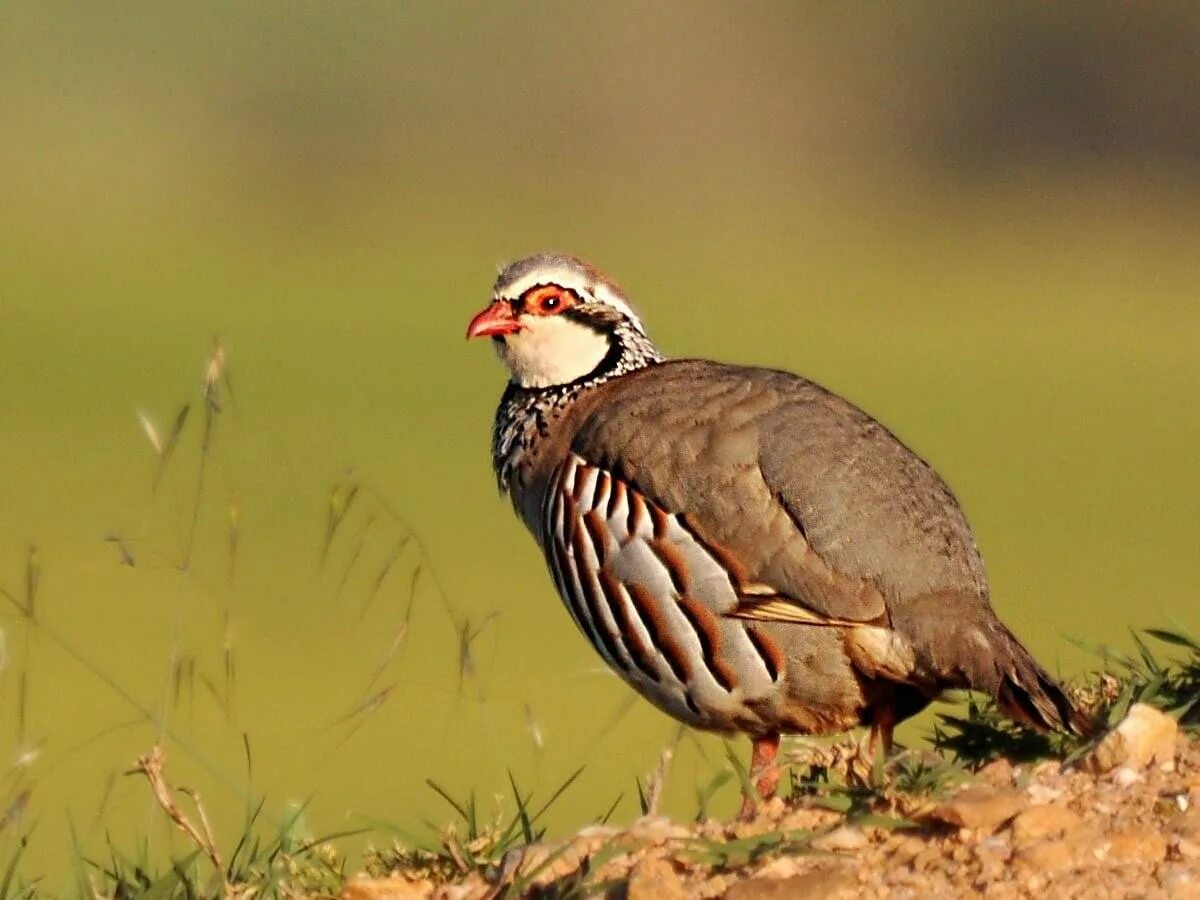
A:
[1124, 776]
[992, 856]
[841, 840]
[1187, 848]
[1041, 793]
[779, 867]
[656, 830]
[999, 772]
[906, 849]
[654, 879]
[980, 808]
[1144, 736]
[1180, 884]
[472, 888]
[1039, 822]
[1050, 857]
[1141, 846]
[822, 884]
[394, 887]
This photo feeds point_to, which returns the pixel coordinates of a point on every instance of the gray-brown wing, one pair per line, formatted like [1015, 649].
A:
[800, 491]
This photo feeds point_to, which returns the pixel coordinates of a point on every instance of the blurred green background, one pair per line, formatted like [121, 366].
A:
[980, 222]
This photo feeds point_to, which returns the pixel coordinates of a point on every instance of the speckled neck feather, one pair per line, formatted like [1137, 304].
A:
[524, 414]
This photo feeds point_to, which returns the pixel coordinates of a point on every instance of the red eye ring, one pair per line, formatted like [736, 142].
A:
[546, 299]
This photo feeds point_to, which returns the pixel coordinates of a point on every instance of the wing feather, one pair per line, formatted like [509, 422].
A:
[804, 497]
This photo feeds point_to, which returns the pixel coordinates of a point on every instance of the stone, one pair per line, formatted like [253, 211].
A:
[997, 845]
[926, 859]
[1144, 736]
[773, 809]
[1141, 846]
[1124, 776]
[979, 808]
[833, 883]
[1180, 884]
[656, 830]
[1048, 857]
[394, 887]
[1041, 793]
[999, 772]
[906, 849]
[654, 879]
[1188, 848]
[779, 867]
[545, 863]
[1047, 768]
[992, 856]
[473, 887]
[841, 840]
[1040, 822]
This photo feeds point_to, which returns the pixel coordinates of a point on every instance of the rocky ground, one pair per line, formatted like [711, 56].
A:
[1122, 821]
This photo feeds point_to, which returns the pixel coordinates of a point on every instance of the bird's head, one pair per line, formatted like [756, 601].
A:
[555, 320]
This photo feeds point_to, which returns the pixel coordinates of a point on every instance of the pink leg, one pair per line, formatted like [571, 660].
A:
[882, 725]
[762, 768]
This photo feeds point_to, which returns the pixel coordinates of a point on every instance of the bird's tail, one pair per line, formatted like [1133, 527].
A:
[1023, 690]
[980, 653]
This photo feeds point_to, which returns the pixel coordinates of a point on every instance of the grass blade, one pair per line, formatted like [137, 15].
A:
[558, 793]
[441, 792]
[643, 800]
[10, 871]
[522, 813]
[603, 820]
[166, 449]
[743, 774]
[1175, 638]
[705, 794]
[33, 577]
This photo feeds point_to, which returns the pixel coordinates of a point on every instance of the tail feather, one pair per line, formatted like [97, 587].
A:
[1025, 691]
[980, 653]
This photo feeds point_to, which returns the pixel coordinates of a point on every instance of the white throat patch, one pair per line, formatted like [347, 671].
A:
[551, 350]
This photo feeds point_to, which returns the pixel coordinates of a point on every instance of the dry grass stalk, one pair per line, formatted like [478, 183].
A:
[654, 785]
[16, 809]
[213, 371]
[33, 577]
[151, 766]
[235, 524]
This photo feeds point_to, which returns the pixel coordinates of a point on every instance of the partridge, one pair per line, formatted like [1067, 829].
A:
[749, 551]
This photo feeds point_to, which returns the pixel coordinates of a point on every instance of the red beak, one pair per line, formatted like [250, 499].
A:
[497, 319]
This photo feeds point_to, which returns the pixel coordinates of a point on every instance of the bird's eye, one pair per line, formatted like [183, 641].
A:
[552, 303]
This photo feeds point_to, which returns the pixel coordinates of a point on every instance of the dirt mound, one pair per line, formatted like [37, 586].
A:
[1122, 821]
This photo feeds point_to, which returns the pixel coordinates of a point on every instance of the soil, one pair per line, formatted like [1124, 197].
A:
[1123, 826]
